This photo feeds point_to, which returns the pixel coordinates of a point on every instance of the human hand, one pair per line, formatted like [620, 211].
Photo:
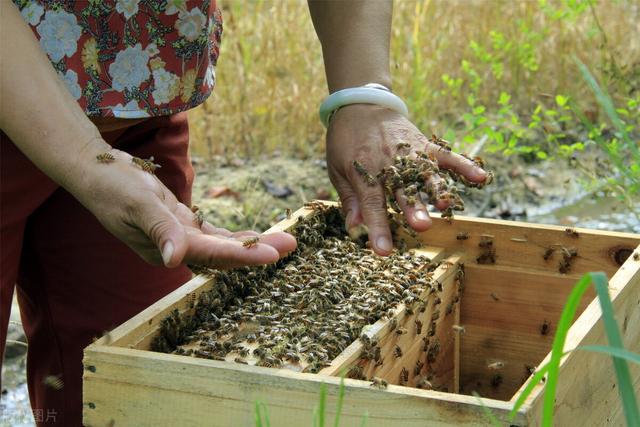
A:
[370, 135]
[144, 214]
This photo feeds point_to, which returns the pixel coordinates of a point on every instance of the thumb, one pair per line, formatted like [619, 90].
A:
[167, 234]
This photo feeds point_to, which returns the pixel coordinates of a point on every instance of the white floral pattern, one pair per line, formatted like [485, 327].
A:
[127, 7]
[190, 24]
[130, 58]
[32, 13]
[167, 86]
[129, 111]
[59, 34]
[210, 76]
[71, 79]
[175, 6]
[130, 68]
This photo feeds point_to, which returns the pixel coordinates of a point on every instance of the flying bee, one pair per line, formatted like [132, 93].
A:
[287, 212]
[53, 381]
[250, 242]
[379, 383]
[496, 365]
[404, 376]
[397, 352]
[424, 384]
[636, 256]
[364, 173]
[105, 158]
[458, 329]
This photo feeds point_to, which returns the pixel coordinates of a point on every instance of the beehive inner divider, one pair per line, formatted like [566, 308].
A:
[444, 372]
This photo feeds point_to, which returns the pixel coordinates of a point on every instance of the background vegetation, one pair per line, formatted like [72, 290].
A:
[466, 68]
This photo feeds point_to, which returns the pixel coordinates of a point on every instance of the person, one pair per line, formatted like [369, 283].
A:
[96, 179]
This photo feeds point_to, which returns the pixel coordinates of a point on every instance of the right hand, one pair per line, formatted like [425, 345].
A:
[143, 213]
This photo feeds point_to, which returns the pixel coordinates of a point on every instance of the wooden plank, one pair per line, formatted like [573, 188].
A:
[134, 387]
[523, 245]
[503, 311]
[586, 391]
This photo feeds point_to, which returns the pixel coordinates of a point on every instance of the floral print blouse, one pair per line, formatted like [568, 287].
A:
[130, 58]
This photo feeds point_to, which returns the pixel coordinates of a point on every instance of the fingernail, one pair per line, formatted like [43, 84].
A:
[420, 215]
[384, 243]
[167, 252]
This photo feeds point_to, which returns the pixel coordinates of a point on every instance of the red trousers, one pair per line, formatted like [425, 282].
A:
[74, 280]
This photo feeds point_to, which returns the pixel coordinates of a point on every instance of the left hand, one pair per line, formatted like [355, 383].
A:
[370, 134]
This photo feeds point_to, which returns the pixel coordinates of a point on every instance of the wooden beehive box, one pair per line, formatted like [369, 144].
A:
[511, 302]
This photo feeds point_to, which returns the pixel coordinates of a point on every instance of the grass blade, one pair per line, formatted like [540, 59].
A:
[258, 416]
[487, 412]
[322, 407]
[336, 421]
[625, 385]
[566, 318]
[620, 353]
[365, 418]
[535, 380]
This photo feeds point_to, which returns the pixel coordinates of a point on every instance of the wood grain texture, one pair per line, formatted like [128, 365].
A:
[586, 393]
[503, 310]
[139, 388]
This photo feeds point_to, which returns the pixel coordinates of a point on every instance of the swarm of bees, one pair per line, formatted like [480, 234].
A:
[412, 175]
[303, 311]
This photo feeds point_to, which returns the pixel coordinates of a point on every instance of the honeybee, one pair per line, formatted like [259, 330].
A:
[424, 384]
[379, 383]
[393, 323]
[240, 360]
[544, 328]
[418, 368]
[404, 376]
[287, 212]
[571, 233]
[53, 381]
[146, 165]
[442, 143]
[198, 215]
[105, 158]
[418, 323]
[547, 253]
[458, 328]
[462, 236]
[402, 145]
[397, 352]
[251, 242]
[636, 256]
[369, 179]
[496, 365]
[401, 331]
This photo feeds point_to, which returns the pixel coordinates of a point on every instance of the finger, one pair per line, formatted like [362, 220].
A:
[416, 213]
[460, 164]
[224, 253]
[244, 233]
[372, 202]
[435, 185]
[283, 242]
[215, 231]
[164, 230]
[349, 203]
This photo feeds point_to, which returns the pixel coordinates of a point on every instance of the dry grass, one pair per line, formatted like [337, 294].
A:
[271, 80]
